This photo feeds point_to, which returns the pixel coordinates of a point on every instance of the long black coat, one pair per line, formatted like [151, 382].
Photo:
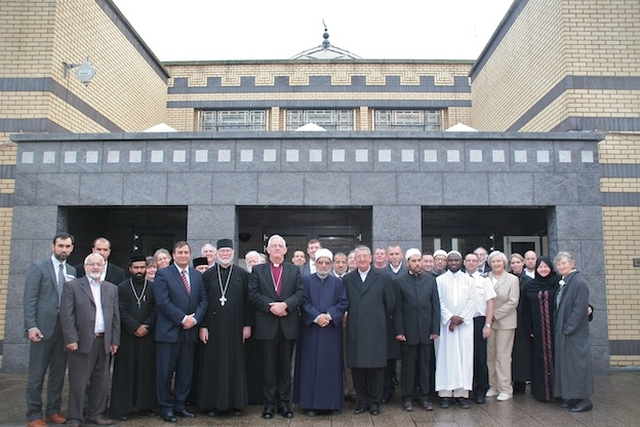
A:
[417, 313]
[573, 375]
[134, 373]
[369, 306]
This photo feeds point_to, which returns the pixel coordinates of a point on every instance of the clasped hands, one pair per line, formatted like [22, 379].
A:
[323, 320]
[455, 321]
[189, 321]
[278, 308]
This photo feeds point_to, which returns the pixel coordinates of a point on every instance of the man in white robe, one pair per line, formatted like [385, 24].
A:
[454, 348]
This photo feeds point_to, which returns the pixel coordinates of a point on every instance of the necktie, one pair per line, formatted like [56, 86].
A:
[186, 283]
[60, 280]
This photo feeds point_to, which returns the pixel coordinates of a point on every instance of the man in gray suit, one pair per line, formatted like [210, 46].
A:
[42, 292]
[90, 320]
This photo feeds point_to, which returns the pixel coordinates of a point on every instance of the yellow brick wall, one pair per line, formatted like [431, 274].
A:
[620, 148]
[518, 73]
[299, 72]
[572, 37]
[622, 243]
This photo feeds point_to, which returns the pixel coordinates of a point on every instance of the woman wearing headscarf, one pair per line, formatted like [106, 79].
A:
[538, 301]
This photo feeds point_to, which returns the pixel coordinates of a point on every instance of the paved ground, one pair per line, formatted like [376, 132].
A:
[616, 403]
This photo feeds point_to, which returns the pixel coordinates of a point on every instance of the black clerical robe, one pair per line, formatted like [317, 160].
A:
[134, 372]
[223, 379]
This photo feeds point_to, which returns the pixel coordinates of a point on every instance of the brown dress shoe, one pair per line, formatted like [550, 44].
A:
[37, 423]
[56, 418]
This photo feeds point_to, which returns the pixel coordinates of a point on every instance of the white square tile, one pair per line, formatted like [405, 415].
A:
[202, 156]
[564, 156]
[224, 156]
[70, 156]
[179, 156]
[113, 156]
[384, 155]
[338, 155]
[27, 157]
[157, 156]
[430, 156]
[269, 155]
[362, 155]
[408, 156]
[315, 155]
[542, 156]
[246, 155]
[497, 156]
[91, 157]
[520, 156]
[587, 156]
[49, 157]
[135, 156]
[453, 156]
[292, 155]
[475, 156]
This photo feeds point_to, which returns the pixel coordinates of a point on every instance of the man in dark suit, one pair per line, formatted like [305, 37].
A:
[90, 320]
[371, 301]
[181, 302]
[276, 291]
[309, 267]
[111, 273]
[42, 291]
[417, 324]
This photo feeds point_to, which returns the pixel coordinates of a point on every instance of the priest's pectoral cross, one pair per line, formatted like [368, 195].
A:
[222, 300]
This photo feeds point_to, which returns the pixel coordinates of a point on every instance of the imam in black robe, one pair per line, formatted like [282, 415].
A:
[134, 371]
[223, 378]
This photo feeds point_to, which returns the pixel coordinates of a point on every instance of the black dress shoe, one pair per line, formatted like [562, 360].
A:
[286, 412]
[235, 412]
[427, 405]
[213, 412]
[311, 413]
[444, 402]
[147, 412]
[169, 417]
[375, 410]
[360, 410]
[123, 417]
[463, 402]
[480, 400]
[267, 414]
[335, 412]
[582, 406]
[568, 403]
[185, 413]
[407, 406]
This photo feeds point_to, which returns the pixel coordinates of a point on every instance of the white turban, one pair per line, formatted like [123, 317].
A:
[324, 253]
[411, 252]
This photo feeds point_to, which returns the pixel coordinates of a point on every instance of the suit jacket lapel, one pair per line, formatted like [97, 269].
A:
[372, 276]
[86, 288]
[53, 275]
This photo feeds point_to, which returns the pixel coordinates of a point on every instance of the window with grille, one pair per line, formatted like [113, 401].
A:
[233, 120]
[328, 119]
[423, 120]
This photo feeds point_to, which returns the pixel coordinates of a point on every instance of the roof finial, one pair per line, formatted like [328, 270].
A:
[325, 42]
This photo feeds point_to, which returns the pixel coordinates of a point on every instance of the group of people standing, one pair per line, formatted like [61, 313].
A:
[206, 332]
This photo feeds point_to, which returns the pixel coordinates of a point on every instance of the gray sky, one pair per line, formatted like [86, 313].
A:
[181, 30]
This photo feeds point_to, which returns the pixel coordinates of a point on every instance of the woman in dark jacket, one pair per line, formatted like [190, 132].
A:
[537, 309]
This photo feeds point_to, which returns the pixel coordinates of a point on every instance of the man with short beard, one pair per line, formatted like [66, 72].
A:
[90, 320]
[134, 371]
[439, 262]
[454, 347]
[223, 331]
[417, 324]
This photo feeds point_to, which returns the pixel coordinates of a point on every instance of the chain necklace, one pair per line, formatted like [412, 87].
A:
[276, 283]
[223, 292]
[135, 294]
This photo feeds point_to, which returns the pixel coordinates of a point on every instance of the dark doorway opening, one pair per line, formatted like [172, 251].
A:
[339, 229]
[465, 228]
[130, 229]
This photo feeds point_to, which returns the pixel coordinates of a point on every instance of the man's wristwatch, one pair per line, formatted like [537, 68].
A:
[487, 325]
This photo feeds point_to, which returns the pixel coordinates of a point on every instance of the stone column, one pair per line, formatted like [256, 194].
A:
[208, 223]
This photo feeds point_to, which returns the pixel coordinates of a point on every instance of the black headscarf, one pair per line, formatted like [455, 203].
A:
[544, 282]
